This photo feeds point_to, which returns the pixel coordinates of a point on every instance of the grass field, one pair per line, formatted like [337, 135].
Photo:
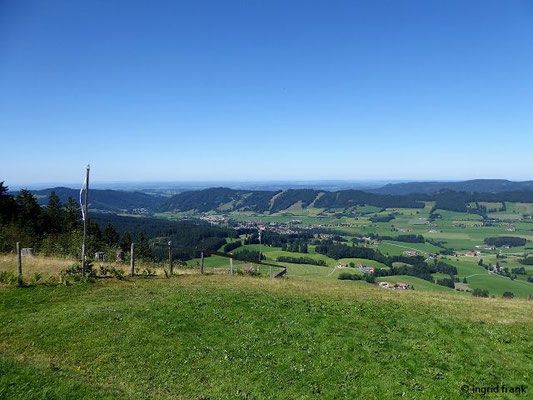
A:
[222, 337]
[416, 283]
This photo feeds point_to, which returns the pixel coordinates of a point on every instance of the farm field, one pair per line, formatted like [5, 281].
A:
[450, 231]
[192, 337]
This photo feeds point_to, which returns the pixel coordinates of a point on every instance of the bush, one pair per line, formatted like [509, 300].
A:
[112, 272]
[508, 295]
[8, 278]
[480, 293]
[446, 282]
[74, 273]
[527, 261]
[35, 278]
[519, 271]
[350, 277]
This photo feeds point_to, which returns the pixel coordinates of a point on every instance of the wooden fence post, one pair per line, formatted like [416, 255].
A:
[231, 266]
[170, 257]
[19, 262]
[132, 260]
[271, 277]
[202, 262]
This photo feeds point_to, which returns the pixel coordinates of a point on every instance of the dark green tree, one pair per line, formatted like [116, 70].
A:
[30, 218]
[125, 242]
[142, 248]
[8, 206]
[72, 215]
[53, 214]
[111, 237]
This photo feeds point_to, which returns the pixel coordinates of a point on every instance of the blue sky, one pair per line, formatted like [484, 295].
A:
[244, 90]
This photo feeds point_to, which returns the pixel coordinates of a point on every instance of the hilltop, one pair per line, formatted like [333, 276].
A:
[199, 337]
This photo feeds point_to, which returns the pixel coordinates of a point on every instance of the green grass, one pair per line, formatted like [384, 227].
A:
[221, 337]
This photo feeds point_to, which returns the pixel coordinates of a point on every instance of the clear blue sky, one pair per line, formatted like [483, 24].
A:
[242, 90]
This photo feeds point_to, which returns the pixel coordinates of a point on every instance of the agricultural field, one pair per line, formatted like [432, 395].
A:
[448, 236]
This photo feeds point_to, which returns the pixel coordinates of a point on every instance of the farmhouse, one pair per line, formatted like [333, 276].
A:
[394, 286]
[366, 270]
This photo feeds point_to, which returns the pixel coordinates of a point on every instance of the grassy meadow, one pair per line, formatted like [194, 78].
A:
[235, 337]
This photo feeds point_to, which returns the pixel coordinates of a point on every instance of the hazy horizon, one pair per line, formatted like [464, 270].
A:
[234, 184]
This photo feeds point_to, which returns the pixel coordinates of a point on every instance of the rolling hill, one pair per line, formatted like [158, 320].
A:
[471, 186]
[226, 199]
[105, 200]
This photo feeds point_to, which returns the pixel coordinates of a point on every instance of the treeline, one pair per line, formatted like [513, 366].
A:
[295, 241]
[382, 218]
[273, 201]
[56, 229]
[249, 255]
[511, 241]
[23, 220]
[403, 238]
[302, 260]
[459, 201]
[527, 260]
[105, 200]
[232, 246]
[337, 250]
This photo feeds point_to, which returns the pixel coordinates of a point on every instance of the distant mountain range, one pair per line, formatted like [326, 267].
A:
[105, 200]
[406, 195]
[472, 186]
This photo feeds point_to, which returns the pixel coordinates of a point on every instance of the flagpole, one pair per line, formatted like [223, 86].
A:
[85, 215]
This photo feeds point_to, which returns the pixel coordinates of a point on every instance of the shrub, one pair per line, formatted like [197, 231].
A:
[508, 295]
[112, 272]
[350, 277]
[8, 278]
[35, 278]
[74, 273]
[446, 282]
[480, 293]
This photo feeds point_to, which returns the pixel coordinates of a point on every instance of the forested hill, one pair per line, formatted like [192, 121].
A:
[105, 200]
[222, 199]
[472, 186]
[261, 201]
